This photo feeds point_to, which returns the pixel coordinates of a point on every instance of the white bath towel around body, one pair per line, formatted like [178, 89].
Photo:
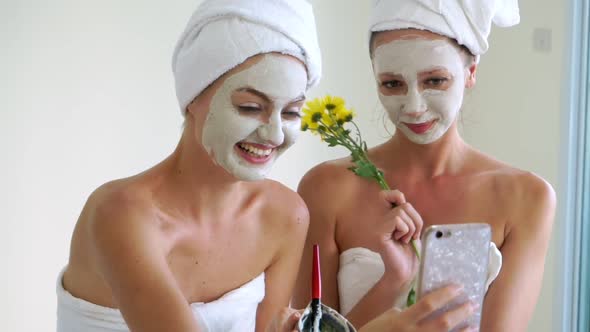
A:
[360, 269]
[233, 312]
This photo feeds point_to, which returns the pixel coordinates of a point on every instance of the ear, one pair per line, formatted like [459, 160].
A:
[191, 108]
[199, 107]
[471, 79]
[195, 114]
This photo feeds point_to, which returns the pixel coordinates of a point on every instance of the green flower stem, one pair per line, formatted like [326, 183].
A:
[335, 134]
[383, 184]
[411, 299]
[353, 146]
[358, 149]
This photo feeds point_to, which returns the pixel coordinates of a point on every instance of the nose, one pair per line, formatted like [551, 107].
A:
[272, 132]
[414, 105]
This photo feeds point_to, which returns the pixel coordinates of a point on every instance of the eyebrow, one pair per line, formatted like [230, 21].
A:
[435, 69]
[390, 74]
[256, 93]
[263, 96]
[299, 98]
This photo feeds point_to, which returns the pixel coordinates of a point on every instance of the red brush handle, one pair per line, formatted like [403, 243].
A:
[316, 275]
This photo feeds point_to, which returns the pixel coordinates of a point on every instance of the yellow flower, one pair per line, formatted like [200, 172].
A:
[308, 123]
[328, 110]
[328, 119]
[336, 109]
[343, 115]
[333, 103]
[314, 106]
[312, 113]
[315, 112]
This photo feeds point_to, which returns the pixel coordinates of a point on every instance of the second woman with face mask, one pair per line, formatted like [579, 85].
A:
[425, 55]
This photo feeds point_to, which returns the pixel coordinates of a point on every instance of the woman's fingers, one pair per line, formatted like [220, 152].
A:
[401, 226]
[407, 223]
[469, 329]
[410, 217]
[285, 320]
[450, 319]
[391, 320]
[291, 323]
[393, 197]
[432, 302]
[411, 225]
[416, 218]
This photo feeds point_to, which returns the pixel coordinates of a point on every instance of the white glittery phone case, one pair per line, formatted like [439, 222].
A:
[456, 254]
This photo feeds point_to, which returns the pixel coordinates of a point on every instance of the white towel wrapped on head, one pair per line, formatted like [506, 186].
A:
[467, 21]
[222, 34]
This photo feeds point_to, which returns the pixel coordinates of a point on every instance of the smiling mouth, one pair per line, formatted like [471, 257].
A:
[420, 128]
[255, 153]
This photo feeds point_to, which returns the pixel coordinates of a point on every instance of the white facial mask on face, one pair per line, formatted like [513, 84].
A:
[408, 58]
[282, 80]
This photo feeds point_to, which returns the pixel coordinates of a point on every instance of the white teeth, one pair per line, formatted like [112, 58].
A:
[255, 151]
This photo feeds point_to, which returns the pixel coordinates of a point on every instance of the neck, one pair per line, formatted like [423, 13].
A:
[197, 185]
[445, 156]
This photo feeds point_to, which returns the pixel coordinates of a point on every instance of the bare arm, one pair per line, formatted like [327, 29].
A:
[133, 263]
[393, 234]
[322, 231]
[419, 317]
[396, 226]
[511, 299]
[379, 299]
[281, 275]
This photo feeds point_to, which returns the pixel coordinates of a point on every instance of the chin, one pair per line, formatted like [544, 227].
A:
[249, 174]
[418, 139]
[250, 177]
[433, 136]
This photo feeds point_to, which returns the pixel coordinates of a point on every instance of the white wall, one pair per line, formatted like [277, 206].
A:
[515, 113]
[86, 95]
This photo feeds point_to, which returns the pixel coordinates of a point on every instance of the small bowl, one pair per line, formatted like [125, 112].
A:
[332, 321]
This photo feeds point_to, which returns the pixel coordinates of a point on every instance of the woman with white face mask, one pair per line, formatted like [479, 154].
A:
[425, 55]
[199, 242]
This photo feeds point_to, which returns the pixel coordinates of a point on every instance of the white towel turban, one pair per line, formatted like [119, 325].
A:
[467, 21]
[222, 34]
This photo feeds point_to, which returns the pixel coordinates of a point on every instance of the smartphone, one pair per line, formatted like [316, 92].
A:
[456, 254]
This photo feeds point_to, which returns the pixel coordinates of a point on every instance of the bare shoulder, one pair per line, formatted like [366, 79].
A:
[526, 190]
[530, 187]
[116, 200]
[116, 219]
[533, 199]
[527, 196]
[118, 211]
[328, 179]
[329, 189]
[284, 206]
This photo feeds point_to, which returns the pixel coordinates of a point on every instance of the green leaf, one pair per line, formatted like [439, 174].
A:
[332, 141]
[366, 170]
[411, 298]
